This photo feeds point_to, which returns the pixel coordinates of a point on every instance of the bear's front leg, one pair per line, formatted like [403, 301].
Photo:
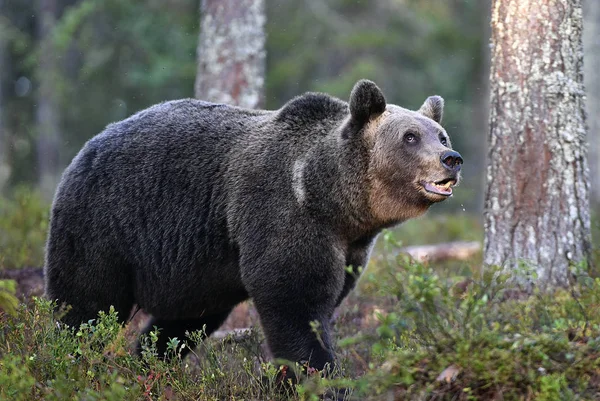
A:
[297, 331]
[295, 290]
[357, 256]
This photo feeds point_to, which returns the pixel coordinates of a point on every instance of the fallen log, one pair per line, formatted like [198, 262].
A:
[30, 281]
[234, 336]
[458, 250]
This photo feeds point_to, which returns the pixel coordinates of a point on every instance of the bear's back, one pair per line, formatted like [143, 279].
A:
[150, 187]
[155, 188]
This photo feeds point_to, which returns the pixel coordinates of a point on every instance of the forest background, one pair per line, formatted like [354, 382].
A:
[93, 62]
[70, 67]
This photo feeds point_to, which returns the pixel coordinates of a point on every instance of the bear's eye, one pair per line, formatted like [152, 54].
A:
[410, 137]
[443, 140]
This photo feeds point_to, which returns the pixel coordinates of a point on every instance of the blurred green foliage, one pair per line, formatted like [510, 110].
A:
[8, 300]
[116, 57]
[437, 228]
[24, 218]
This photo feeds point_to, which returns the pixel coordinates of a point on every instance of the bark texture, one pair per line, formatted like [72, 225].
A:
[536, 206]
[591, 47]
[231, 52]
[47, 114]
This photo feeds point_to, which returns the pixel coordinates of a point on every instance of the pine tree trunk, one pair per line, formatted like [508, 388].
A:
[591, 46]
[231, 52]
[47, 114]
[536, 206]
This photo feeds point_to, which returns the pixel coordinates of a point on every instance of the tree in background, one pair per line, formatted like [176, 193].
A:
[47, 107]
[231, 52]
[591, 45]
[536, 206]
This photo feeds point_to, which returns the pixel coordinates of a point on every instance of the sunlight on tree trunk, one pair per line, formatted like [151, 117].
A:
[591, 46]
[47, 114]
[231, 52]
[536, 208]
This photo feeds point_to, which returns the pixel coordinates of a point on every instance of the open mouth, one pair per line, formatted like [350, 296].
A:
[443, 187]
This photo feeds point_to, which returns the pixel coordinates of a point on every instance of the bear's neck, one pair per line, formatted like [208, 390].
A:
[337, 176]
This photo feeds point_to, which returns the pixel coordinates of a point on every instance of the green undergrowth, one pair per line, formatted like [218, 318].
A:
[479, 338]
[435, 337]
[23, 226]
[41, 361]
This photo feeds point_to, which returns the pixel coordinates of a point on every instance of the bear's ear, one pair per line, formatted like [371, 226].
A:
[433, 108]
[366, 101]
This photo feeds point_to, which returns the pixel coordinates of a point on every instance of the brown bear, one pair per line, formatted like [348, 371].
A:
[188, 208]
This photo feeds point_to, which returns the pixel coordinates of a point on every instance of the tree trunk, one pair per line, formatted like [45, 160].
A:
[231, 52]
[536, 207]
[47, 114]
[591, 46]
[231, 69]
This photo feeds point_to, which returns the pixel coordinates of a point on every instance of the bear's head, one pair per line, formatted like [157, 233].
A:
[411, 161]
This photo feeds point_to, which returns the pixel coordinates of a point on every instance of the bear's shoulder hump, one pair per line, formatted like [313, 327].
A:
[312, 106]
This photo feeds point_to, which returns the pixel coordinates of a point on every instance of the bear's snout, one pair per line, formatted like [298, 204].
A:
[451, 160]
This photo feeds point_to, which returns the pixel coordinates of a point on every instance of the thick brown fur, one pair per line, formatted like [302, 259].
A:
[188, 208]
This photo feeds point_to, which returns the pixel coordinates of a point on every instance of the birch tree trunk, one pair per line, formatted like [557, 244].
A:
[231, 52]
[591, 47]
[47, 114]
[536, 207]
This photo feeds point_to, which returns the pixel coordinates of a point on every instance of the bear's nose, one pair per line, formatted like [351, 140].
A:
[451, 160]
